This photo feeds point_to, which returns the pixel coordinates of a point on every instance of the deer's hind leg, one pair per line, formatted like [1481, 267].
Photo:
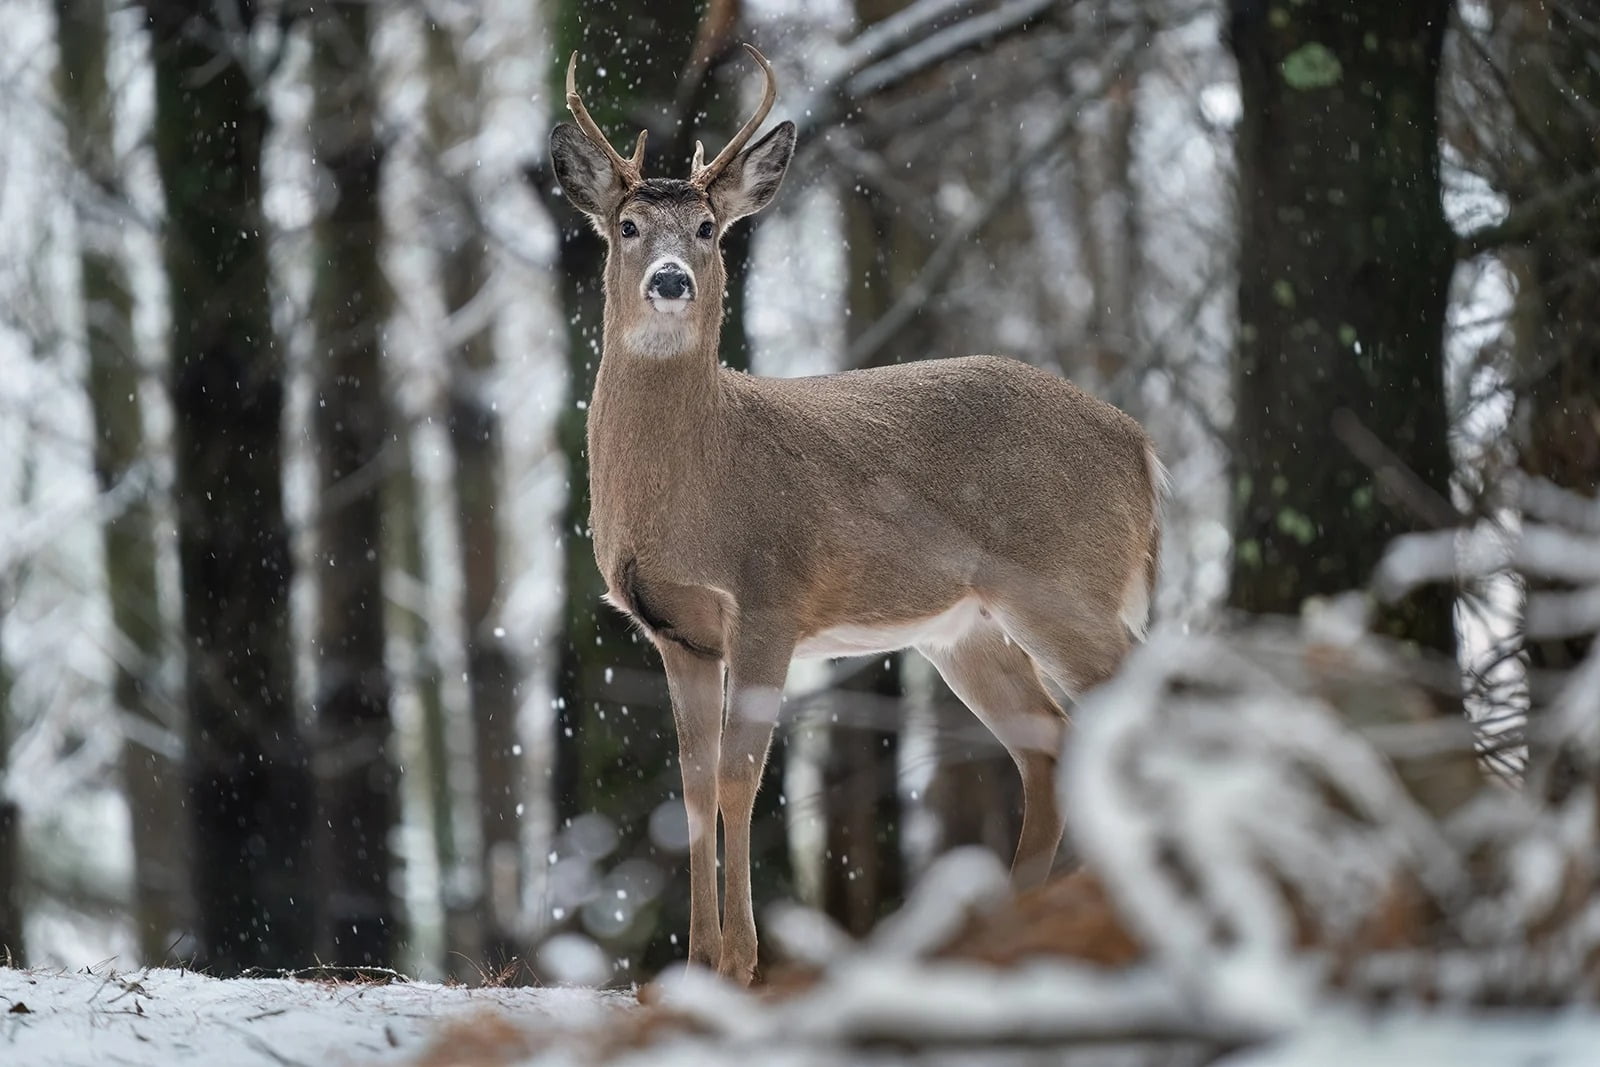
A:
[1078, 643]
[998, 681]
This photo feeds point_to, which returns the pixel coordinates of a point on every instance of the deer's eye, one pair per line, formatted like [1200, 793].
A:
[629, 229]
[707, 230]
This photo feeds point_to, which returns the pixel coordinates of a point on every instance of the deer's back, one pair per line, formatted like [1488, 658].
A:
[982, 466]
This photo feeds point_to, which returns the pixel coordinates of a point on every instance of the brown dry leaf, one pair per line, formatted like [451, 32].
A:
[484, 1040]
[1069, 917]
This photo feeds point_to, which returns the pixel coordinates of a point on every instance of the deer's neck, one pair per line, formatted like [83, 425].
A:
[654, 429]
[653, 398]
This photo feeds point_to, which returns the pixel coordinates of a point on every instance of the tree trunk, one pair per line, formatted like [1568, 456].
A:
[443, 777]
[246, 763]
[1550, 72]
[1345, 262]
[1108, 225]
[863, 867]
[454, 117]
[863, 870]
[356, 775]
[13, 952]
[150, 773]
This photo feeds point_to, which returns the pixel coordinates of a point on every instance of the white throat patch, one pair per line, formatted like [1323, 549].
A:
[658, 336]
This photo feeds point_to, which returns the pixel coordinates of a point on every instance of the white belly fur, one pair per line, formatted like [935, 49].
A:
[941, 631]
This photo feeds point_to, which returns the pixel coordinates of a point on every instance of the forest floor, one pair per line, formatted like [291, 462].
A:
[167, 1018]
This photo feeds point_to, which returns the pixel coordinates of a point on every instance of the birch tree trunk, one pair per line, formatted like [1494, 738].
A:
[455, 118]
[162, 910]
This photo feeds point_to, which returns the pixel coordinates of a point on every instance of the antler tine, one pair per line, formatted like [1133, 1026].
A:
[629, 170]
[704, 176]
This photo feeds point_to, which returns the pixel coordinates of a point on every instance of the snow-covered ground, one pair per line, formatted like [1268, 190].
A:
[165, 1018]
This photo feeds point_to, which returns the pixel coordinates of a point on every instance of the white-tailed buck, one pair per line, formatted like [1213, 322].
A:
[989, 514]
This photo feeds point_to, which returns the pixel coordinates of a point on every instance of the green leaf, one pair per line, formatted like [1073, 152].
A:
[1311, 66]
[1297, 525]
[1248, 553]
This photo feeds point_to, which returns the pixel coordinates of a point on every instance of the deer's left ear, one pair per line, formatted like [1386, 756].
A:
[751, 180]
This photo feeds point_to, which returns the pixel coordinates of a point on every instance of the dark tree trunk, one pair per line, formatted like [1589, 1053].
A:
[863, 870]
[1557, 83]
[1344, 261]
[1551, 75]
[13, 953]
[492, 676]
[356, 775]
[150, 774]
[246, 762]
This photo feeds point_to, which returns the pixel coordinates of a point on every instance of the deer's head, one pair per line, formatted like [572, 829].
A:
[664, 274]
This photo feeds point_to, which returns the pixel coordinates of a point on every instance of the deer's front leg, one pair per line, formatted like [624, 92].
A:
[696, 686]
[758, 662]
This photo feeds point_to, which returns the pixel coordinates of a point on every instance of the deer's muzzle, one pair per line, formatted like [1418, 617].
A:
[669, 285]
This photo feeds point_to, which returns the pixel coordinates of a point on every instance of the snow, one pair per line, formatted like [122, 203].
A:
[168, 1018]
[1418, 1040]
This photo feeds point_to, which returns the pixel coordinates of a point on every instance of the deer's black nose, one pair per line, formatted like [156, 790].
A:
[671, 282]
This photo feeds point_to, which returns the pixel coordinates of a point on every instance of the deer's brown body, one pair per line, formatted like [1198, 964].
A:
[994, 516]
[971, 469]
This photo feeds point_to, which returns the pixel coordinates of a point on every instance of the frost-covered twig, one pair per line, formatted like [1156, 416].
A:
[1227, 803]
[940, 45]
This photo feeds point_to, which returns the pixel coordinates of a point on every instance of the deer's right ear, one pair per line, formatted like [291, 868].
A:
[585, 174]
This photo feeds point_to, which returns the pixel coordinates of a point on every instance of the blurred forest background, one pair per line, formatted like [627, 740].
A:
[303, 656]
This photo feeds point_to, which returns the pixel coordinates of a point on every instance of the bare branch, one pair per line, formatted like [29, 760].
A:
[1406, 486]
[1531, 217]
[896, 30]
[852, 80]
[945, 259]
[940, 45]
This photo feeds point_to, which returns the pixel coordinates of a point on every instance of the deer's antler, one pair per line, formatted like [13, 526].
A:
[631, 171]
[702, 176]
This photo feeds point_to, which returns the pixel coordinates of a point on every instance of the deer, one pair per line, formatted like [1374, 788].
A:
[987, 513]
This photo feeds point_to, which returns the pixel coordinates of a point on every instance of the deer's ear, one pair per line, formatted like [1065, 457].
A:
[585, 174]
[752, 178]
